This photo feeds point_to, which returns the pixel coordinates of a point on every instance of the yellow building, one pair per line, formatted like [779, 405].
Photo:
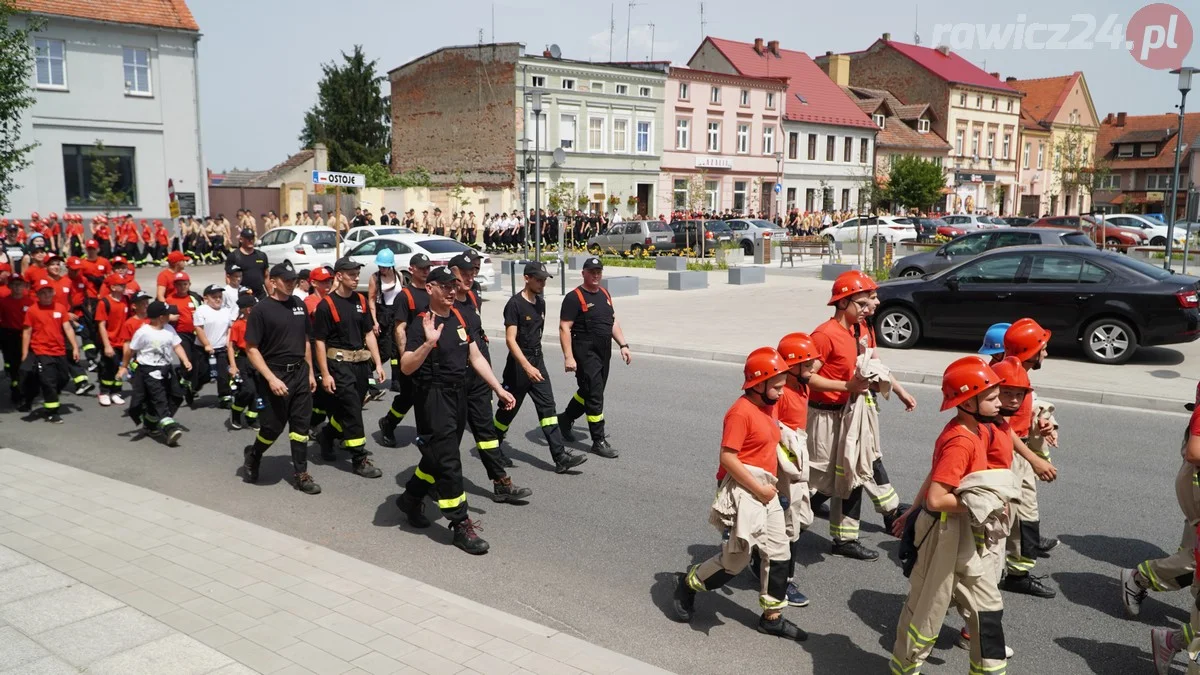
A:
[1056, 115]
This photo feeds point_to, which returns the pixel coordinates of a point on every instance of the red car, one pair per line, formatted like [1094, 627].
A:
[950, 231]
[1110, 237]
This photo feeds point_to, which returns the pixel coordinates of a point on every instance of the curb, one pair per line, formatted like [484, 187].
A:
[933, 379]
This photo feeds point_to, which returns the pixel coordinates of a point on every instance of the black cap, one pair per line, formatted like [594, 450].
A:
[231, 267]
[12, 227]
[537, 270]
[246, 233]
[214, 289]
[284, 271]
[141, 296]
[462, 261]
[419, 260]
[246, 300]
[303, 275]
[440, 275]
[158, 308]
[346, 264]
[593, 263]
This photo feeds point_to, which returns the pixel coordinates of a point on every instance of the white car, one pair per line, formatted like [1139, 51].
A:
[890, 228]
[1155, 230]
[306, 246]
[357, 234]
[404, 246]
[971, 221]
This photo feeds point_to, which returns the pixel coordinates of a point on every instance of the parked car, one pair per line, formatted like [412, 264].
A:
[357, 234]
[890, 228]
[980, 241]
[1104, 302]
[1154, 229]
[972, 221]
[1117, 238]
[439, 249]
[716, 232]
[928, 228]
[1019, 221]
[304, 246]
[635, 236]
[747, 231]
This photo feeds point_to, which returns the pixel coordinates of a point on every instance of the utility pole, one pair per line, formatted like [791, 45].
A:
[651, 41]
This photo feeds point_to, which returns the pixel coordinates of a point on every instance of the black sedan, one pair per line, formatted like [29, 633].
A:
[1104, 302]
[962, 248]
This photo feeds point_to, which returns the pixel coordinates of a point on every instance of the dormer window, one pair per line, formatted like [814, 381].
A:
[1124, 150]
[923, 126]
[1148, 150]
[878, 120]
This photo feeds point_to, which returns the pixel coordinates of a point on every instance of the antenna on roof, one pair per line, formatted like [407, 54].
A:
[916, 25]
[480, 36]
[493, 22]
[612, 28]
[702, 21]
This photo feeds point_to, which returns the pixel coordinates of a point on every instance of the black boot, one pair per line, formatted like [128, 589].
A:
[564, 428]
[504, 460]
[414, 510]
[325, 440]
[1045, 545]
[854, 550]
[466, 537]
[569, 459]
[602, 448]
[1027, 584]
[685, 599]
[250, 465]
[781, 627]
[364, 468]
[387, 432]
[506, 492]
[306, 484]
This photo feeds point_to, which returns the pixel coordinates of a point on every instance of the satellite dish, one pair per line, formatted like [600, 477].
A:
[555, 52]
[560, 157]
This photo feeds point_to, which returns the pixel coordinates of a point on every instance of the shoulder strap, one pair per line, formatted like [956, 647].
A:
[605, 292]
[362, 302]
[107, 305]
[474, 300]
[461, 321]
[582, 302]
[412, 303]
[332, 310]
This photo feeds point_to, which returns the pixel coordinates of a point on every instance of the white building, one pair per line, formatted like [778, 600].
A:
[123, 74]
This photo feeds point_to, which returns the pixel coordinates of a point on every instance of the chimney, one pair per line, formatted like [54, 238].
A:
[839, 70]
[995, 75]
[944, 50]
[773, 47]
[1108, 119]
[887, 37]
[758, 46]
[547, 54]
[320, 157]
[1010, 79]
[1120, 119]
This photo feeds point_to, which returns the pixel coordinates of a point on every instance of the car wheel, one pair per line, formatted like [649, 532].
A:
[898, 328]
[748, 248]
[912, 272]
[636, 249]
[1112, 243]
[1158, 241]
[1109, 341]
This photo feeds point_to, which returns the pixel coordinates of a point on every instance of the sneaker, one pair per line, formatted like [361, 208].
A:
[414, 510]
[854, 550]
[54, 418]
[602, 448]
[685, 599]
[467, 537]
[325, 439]
[507, 492]
[387, 433]
[564, 427]
[964, 642]
[84, 388]
[253, 423]
[250, 465]
[366, 469]
[173, 435]
[305, 484]
[794, 597]
[117, 399]
[1161, 646]
[235, 420]
[1132, 594]
[93, 367]
[104, 399]
[783, 628]
[1027, 584]
[569, 460]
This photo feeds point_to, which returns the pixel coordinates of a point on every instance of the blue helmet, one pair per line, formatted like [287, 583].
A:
[386, 258]
[993, 339]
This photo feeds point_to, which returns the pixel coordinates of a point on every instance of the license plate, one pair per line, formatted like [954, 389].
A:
[661, 238]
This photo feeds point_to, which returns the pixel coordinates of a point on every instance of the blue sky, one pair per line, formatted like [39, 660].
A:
[260, 60]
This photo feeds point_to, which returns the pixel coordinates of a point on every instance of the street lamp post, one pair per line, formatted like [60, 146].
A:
[537, 171]
[778, 182]
[523, 177]
[1185, 85]
[531, 167]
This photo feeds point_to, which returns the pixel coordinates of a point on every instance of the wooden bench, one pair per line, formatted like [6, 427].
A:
[789, 248]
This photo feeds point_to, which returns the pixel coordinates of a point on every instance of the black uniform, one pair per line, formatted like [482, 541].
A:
[254, 270]
[385, 314]
[343, 324]
[479, 395]
[591, 343]
[280, 330]
[408, 306]
[530, 320]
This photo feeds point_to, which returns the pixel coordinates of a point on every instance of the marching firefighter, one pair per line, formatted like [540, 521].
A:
[111, 313]
[346, 355]
[186, 302]
[44, 340]
[525, 369]
[948, 564]
[747, 510]
[244, 409]
[437, 354]
[212, 323]
[321, 284]
[412, 301]
[156, 390]
[587, 327]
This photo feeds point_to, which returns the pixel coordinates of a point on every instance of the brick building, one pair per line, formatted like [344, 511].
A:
[1141, 152]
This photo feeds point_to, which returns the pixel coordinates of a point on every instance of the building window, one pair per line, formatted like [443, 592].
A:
[51, 62]
[863, 146]
[711, 194]
[137, 71]
[848, 150]
[791, 198]
[975, 145]
[1124, 151]
[681, 134]
[979, 102]
[1110, 182]
[714, 136]
[1148, 150]
[566, 132]
[538, 81]
[1010, 105]
[810, 199]
[845, 199]
[644, 92]
[620, 140]
[597, 87]
[812, 147]
[643, 137]
[770, 100]
[879, 120]
[768, 140]
[1007, 146]
[744, 98]
[739, 196]
[958, 142]
[714, 95]
[596, 134]
[793, 145]
[1086, 150]
[991, 146]
[568, 84]
[1158, 181]
[1041, 160]
[79, 166]
[937, 161]
[1025, 156]
[622, 89]
[829, 143]
[962, 99]
[995, 102]
[681, 194]
[683, 91]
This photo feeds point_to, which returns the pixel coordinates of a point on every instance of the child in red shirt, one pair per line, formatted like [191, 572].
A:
[47, 330]
[244, 411]
[13, 302]
[111, 313]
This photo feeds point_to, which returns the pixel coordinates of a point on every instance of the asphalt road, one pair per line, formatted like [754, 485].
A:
[594, 553]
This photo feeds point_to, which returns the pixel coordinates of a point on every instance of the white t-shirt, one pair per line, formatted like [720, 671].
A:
[299, 293]
[229, 297]
[216, 323]
[155, 346]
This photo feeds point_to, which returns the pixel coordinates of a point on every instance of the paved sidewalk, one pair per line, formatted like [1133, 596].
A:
[104, 577]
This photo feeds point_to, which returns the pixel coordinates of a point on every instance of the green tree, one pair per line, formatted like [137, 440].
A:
[379, 176]
[914, 182]
[16, 64]
[1076, 169]
[105, 177]
[351, 115]
[560, 197]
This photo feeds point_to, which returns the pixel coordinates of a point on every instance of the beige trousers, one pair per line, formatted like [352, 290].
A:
[1176, 570]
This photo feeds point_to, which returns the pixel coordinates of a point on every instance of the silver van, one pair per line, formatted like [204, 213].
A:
[634, 236]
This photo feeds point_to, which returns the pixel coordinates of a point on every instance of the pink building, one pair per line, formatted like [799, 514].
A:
[720, 137]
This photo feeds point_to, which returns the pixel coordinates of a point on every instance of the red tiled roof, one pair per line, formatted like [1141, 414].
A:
[1045, 96]
[895, 134]
[950, 67]
[1134, 124]
[159, 13]
[823, 101]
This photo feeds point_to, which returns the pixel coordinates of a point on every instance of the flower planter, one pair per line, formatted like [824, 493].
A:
[731, 256]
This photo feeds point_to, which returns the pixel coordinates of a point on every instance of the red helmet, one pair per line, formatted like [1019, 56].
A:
[761, 365]
[34, 216]
[1013, 373]
[966, 378]
[17, 223]
[796, 348]
[849, 283]
[1025, 339]
[53, 216]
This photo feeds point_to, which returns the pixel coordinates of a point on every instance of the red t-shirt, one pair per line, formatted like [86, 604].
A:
[79, 287]
[166, 279]
[113, 312]
[754, 433]
[131, 234]
[237, 334]
[12, 310]
[47, 338]
[147, 234]
[95, 271]
[102, 233]
[131, 325]
[1023, 420]
[838, 350]
[792, 407]
[64, 287]
[161, 236]
[1000, 446]
[33, 274]
[956, 453]
[187, 309]
[1194, 423]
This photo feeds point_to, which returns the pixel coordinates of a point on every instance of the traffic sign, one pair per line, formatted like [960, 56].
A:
[778, 188]
[356, 180]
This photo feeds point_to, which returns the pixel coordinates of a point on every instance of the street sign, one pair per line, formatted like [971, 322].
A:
[174, 208]
[334, 178]
[172, 201]
[778, 188]
[187, 203]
